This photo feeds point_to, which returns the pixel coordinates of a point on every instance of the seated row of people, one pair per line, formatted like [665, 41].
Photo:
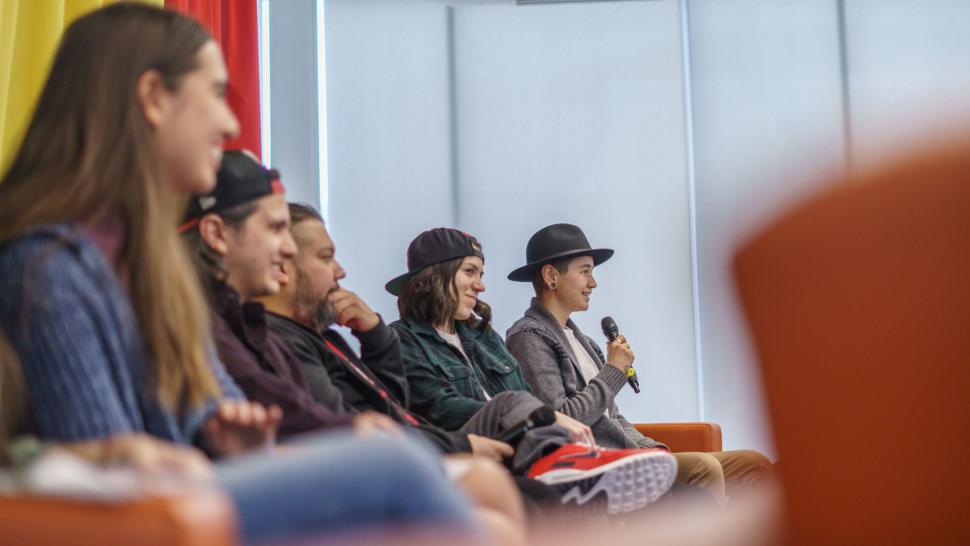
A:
[446, 369]
[114, 340]
[240, 237]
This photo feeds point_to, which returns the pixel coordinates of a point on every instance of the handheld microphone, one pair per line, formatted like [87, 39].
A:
[540, 417]
[612, 331]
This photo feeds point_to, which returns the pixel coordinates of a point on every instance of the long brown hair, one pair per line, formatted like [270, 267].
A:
[427, 297]
[209, 265]
[88, 155]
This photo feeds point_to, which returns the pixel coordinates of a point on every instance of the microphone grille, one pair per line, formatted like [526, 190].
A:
[609, 326]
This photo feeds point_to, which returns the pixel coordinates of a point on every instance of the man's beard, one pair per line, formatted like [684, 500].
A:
[318, 313]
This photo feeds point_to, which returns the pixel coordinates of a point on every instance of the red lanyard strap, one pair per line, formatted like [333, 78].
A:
[405, 414]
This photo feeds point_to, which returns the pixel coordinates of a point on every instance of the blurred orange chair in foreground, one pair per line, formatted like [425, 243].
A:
[194, 519]
[859, 306]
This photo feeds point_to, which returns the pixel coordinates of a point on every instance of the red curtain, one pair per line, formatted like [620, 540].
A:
[235, 25]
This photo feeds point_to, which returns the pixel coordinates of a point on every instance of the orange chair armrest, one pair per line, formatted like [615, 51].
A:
[681, 437]
[197, 519]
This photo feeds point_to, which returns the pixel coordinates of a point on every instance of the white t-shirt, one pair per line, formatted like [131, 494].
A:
[587, 367]
[455, 341]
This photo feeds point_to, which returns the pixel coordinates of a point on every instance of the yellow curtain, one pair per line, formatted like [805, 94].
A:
[29, 33]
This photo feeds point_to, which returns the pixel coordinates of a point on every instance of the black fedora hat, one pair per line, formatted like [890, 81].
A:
[434, 247]
[554, 243]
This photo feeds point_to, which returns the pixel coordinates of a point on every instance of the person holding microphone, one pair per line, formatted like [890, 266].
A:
[568, 371]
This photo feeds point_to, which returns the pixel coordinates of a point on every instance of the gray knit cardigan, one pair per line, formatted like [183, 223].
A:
[549, 364]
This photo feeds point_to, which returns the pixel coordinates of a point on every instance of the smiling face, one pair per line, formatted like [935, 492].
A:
[257, 249]
[193, 122]
[467, 286]
[576, 284]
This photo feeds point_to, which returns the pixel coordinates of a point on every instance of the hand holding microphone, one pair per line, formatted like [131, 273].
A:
[618, 352]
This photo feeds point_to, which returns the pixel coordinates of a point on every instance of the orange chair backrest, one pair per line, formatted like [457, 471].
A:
[859, 306]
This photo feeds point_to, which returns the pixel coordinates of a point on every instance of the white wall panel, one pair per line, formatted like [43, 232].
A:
[388, 135]
[575, 113]
[767, 116]
[909, 72]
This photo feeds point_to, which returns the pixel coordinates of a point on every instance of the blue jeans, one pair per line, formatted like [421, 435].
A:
[337, 482]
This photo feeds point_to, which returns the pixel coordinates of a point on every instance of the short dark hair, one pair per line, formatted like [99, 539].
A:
[426, 296]
[561, 265]
[208, 264]
[300, 212]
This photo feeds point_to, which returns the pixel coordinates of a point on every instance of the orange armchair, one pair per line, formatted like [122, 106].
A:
[859, 303]
[197, 519]
[681, 437]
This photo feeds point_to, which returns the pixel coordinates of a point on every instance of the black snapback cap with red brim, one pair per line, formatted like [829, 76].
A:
[241, 179]
[432, 247]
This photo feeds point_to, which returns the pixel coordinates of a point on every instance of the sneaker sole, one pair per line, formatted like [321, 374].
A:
[627, 484]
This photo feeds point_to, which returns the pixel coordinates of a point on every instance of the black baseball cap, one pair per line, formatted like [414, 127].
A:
[241, 179]
[434, 247]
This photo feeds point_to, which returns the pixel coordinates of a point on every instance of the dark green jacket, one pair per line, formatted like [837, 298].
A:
[446, 389]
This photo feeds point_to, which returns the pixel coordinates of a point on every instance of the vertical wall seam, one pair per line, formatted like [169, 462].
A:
[692, 201]
[323, 179]
[265, 111]
[844, 82]
[453, 118]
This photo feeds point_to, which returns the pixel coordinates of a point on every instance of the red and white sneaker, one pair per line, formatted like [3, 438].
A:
[623, 479]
